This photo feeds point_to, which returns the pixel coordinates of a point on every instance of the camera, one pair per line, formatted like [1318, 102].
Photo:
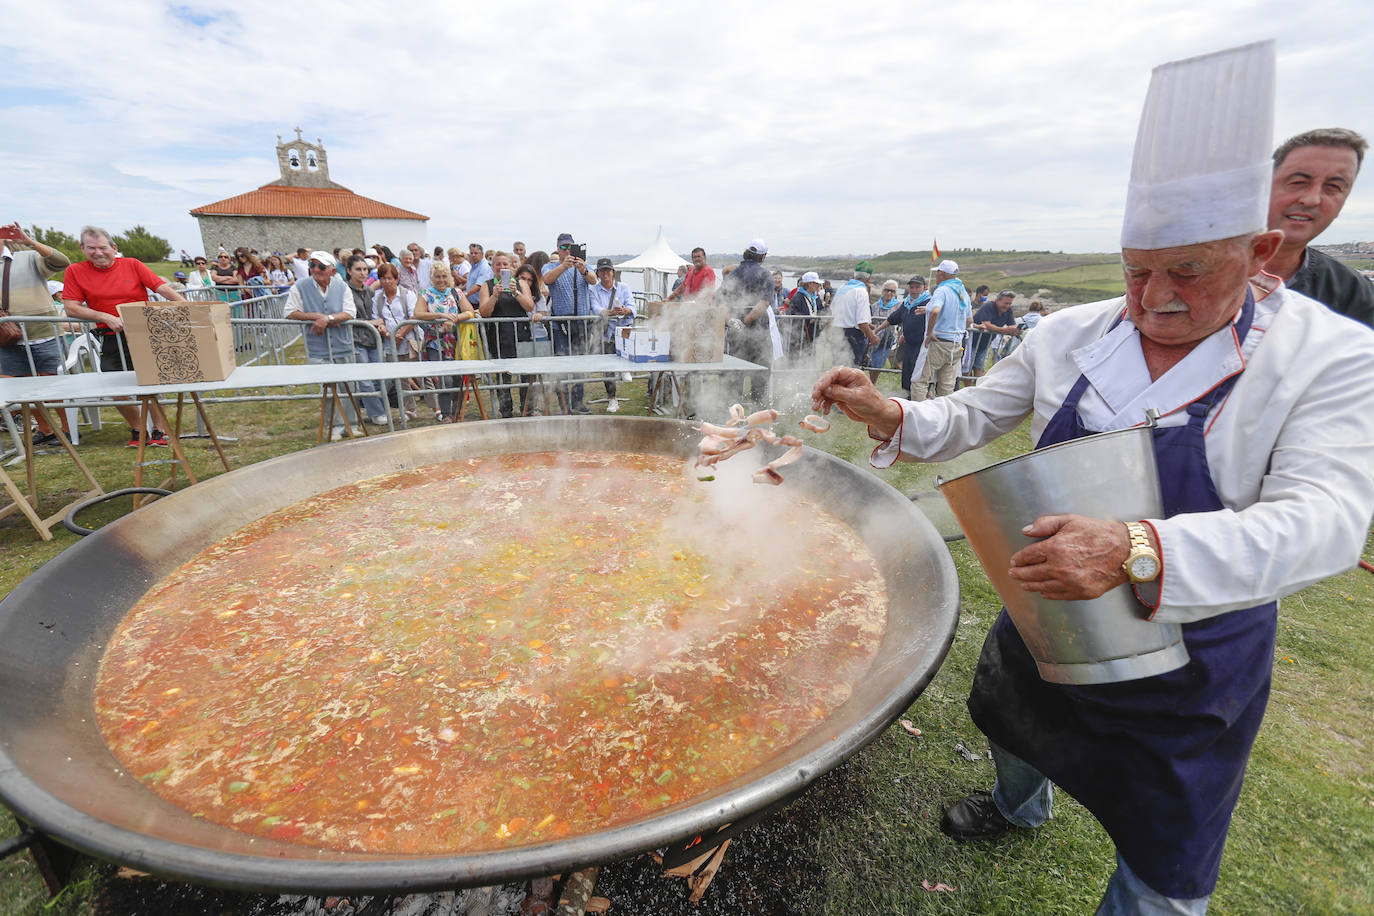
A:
[578, 251]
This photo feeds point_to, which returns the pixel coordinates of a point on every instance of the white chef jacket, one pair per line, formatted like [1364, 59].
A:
[1291, 448]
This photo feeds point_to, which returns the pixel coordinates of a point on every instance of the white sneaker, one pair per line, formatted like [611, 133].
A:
[612, 406]
[626, 377]
[377, 421]
[338, 433]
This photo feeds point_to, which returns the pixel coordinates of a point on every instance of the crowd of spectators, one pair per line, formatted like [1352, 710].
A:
[471, 302]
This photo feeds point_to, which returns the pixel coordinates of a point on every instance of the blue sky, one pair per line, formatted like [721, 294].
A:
[823, 129]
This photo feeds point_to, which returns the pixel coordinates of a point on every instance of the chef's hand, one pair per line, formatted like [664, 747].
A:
[1079, 559]
[857, 398]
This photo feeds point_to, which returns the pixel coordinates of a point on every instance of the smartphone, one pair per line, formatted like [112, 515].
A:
[578, 251]
[10, 232]
[505, 277]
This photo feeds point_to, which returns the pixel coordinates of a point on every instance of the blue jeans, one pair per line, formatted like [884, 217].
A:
[47, 358]
[570, 338]
[1025, 797]
[373, 405]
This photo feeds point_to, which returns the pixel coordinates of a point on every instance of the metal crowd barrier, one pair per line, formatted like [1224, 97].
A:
[263, 336]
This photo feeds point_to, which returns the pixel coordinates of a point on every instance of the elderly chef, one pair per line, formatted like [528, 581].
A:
[1265, 455]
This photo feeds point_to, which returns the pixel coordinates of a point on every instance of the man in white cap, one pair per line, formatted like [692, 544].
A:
[947, 317]
[1261, 498]
[802, 308]
[325, 301]
[1314, 173]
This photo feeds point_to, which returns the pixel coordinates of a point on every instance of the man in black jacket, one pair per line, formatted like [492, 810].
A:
[1313, 175]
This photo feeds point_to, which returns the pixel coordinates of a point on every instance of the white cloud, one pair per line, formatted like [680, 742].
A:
[866, 127]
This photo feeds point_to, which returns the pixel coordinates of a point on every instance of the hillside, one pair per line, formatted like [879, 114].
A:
[1054, 276]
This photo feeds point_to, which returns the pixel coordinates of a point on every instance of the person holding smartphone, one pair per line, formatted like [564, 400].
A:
[512, 295]
[569, 283]
[27, 265]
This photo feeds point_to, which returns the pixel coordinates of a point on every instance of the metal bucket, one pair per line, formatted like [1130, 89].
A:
[1111, 475]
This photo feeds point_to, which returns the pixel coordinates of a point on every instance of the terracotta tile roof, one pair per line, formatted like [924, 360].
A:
[282, 200]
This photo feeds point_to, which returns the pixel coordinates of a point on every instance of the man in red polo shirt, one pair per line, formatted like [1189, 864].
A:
[92, 288]
[699, 282]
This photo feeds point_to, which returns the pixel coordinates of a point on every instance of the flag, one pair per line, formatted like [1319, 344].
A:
[934, 251]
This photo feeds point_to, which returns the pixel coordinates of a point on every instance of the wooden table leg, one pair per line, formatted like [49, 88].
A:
[149, 406]
[357, 412]
[325, 390]
[209, 429]
[71, 452]
[21, 503]
[469, 383]
[28, 504]
[142, 444]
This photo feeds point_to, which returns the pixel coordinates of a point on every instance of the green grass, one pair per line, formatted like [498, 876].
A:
[1066, 278]
[1303, 836]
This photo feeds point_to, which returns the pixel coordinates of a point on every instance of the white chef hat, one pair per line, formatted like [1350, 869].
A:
[1202, 166]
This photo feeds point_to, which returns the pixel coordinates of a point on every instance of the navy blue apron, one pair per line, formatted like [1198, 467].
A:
[1158, 761]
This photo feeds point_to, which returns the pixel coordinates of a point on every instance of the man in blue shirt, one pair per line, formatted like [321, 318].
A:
[479, 274]
[947, 319]
[568, 280]
[992, 318]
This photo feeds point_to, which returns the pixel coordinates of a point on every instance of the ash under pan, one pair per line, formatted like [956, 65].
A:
[56, 772]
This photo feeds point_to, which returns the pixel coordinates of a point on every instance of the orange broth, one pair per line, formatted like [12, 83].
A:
[488, 652]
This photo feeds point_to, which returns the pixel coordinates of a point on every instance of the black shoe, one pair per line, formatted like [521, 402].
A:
[581, 408]
[975, 818]
[42, 439]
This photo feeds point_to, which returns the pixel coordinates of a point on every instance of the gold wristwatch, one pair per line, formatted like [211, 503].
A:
[1142, 563]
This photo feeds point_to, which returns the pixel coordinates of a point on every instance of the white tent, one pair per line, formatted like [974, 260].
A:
[658, 263]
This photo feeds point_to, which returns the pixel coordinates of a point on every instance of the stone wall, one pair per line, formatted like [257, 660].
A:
[285, 234]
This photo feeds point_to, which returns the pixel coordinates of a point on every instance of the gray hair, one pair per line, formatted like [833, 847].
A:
[1325, 136]
[95, 230]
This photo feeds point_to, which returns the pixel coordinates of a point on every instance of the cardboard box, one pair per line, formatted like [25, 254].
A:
[621, 337]
[176, 342]
[698, 332]
[646, 345]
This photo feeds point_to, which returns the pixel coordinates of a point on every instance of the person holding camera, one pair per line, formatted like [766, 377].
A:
[512, 295]
[568, 280]
[35, 350]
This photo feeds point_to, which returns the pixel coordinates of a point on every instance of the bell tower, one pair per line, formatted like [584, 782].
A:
[303, 164]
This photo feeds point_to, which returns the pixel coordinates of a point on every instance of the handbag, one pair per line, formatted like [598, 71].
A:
[11, 333]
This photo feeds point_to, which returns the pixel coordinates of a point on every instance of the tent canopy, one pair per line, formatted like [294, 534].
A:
[658, 256]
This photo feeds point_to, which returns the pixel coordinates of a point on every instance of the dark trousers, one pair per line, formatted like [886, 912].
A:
[858, 346]
[504, 401]
[910, 353]
[754, 345]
